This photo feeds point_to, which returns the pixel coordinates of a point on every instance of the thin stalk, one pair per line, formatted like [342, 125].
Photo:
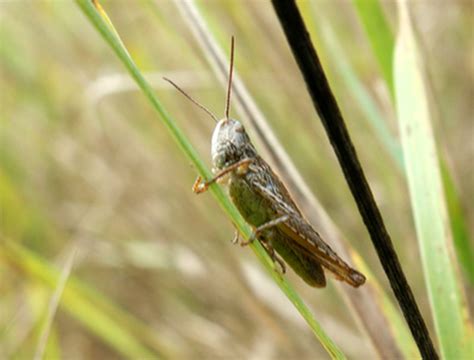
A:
[331, 117]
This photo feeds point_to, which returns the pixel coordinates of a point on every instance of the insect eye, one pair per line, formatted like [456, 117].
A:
[239, 128]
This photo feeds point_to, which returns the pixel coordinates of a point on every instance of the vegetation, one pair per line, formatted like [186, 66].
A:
[104, 249]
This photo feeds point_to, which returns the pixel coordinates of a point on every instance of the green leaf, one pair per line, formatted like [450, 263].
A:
[427, 197]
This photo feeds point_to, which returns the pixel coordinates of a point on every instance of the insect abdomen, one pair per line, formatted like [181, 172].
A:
[307, 268]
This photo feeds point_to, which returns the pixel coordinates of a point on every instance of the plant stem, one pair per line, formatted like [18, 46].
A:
[330, 115]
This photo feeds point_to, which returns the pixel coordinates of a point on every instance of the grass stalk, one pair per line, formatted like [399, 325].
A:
[447, 301]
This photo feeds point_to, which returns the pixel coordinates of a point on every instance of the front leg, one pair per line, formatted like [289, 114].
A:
[240, 166]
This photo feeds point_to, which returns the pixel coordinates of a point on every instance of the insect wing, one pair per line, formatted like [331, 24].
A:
[300, 231]
[309, 269]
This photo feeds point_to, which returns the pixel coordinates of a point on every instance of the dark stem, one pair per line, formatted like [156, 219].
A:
[329, 113]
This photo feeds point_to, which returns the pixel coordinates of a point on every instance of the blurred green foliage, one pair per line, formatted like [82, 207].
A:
[83, 163]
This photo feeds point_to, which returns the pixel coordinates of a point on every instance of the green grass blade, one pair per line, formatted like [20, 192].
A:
[53, 306]
[427, 197]
[109, 34]
[23, 221]
[83, 309]
[396, 323]
[462, 243]
[380, 36]
[322, 32]
[364, 99]
[37, 297]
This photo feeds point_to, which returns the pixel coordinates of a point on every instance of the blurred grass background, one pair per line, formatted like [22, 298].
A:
[84, 165]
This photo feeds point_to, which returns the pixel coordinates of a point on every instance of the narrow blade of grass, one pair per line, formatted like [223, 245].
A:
[105, 28]
[37, 296]
[462, 242]
[365, 101]
[396, 324]
[84, 310]
[427, 197]
[79, 298]
[381, 38]
[53, 306]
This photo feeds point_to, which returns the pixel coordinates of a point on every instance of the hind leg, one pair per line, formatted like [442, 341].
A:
[263, 227]
[273, 255]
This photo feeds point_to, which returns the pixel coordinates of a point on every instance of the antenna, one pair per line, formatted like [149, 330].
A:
[229, 85]
[192, 100]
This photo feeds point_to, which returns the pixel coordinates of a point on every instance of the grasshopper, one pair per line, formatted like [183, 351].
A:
[265, 203]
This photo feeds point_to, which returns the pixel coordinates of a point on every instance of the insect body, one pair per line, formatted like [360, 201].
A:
[266, 204]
